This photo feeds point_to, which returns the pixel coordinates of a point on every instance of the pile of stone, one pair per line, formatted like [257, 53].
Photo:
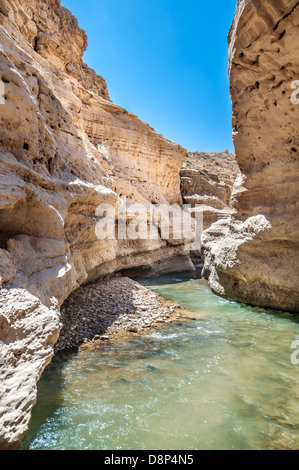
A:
[106, 309]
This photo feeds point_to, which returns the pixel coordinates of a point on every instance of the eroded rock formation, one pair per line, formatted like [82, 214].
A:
[207, 181]
[65, 149]
[255, 258]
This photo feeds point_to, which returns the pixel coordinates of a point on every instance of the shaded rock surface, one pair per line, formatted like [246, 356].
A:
[255, 257]
[65, 149]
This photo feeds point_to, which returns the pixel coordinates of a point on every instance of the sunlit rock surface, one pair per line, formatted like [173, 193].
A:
[65, 149]
[255, 257]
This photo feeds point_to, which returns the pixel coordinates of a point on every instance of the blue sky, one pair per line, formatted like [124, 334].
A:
[166, 61]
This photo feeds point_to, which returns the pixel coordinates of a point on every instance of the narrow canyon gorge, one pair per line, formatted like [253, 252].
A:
[67, 149]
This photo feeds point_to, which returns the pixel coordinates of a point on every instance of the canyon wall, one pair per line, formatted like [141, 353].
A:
[207, 181]
[65, 149]
[255, 257]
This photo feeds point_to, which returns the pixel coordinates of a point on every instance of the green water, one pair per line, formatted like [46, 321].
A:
[221, 379]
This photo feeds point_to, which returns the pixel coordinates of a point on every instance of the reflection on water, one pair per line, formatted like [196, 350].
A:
[221, 379]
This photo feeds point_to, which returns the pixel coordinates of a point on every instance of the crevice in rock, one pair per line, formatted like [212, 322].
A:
[285, 16]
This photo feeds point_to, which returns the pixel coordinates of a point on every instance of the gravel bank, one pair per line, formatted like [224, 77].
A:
[104, 310]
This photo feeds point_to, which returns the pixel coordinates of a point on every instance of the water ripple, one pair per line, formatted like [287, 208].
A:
[223, 381]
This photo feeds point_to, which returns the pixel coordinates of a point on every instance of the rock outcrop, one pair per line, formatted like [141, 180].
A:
[255, 257]
[207, 181]
[65, 149]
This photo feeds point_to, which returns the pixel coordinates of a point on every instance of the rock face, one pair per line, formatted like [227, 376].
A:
[65, 149]
[254, 258]
[207, 181]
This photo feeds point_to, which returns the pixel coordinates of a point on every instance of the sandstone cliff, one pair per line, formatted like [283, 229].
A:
[65, 148]
[255, 258]
[207, 181]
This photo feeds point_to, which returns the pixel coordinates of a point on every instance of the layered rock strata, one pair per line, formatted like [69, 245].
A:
[65, 149]
[255, 257]
[207, 181]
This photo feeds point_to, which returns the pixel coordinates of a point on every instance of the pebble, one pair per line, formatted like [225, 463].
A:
[111, 308]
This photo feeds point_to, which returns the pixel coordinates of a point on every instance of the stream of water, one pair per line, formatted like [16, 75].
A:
[221, 378]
